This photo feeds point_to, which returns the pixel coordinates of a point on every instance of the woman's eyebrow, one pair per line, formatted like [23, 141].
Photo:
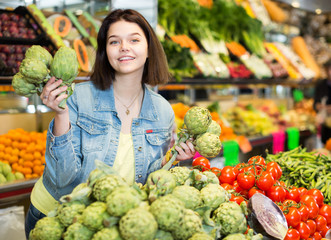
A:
[132, 34]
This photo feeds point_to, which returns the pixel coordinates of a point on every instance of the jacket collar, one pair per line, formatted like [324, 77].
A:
[105, 101]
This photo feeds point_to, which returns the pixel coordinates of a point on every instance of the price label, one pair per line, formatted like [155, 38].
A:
[278, 142]
[231, 153]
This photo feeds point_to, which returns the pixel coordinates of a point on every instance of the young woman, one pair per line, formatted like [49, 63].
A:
[114, 117]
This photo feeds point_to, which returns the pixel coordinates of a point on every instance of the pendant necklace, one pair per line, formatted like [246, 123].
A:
[127, 107]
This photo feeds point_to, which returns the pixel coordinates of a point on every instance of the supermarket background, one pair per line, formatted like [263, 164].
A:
[253, 63]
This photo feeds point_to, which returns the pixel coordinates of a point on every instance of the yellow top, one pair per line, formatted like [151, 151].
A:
[124, 163]
[41, 199]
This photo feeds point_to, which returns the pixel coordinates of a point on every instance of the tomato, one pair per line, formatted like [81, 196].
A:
[293, 194]
[311, 204]
[320, 222]
[325, 211]
[257, 160]
[239, 166]
[246, 180]
[201, 163]
[276, 193]
[248, 169]
[292, 234]
[302, 191]
[228, 174]
[227, 186]
[254, 190]
[317, 236]
[324, 231]
[304, 212]
[317, 194]
[312, 225]
[289, 203]
[293, 217]
[265, 181]
[275, 170]
[216, 171]
[304, 230]
[237, 199]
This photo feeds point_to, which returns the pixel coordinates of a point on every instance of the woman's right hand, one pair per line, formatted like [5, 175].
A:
[51, 97]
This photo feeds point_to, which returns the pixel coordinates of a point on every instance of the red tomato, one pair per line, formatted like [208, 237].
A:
[246, 180]
[202, 163]
[293, 217]
[325, 211]
[304, 230]
[237, 199]
[293, 194]
[289, 203]
[302, 191]
[320, 222]
[311, 204]
[257, 160]
[317, 194]
[275, 169]
[254, 190]
[228, 174]
[304, 212]
[248, 169]
[292, 234]
[265, 181]
[324, 231]
[312, 225]
[239, 166]
[317, 236]
[276, 193]
[216, 171]
[227, 186]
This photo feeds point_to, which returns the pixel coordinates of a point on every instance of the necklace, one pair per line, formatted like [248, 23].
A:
[127, 107]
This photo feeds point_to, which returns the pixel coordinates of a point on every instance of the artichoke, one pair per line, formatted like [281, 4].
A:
[189, 195]
[190, 224]
[80, 193]
[121, 200]
[40, 53]
[200, 179]
[94, 215]
[214, 128]
[201, 236]
[22, 87]
[137, 224]
[163, 235]
[105, 185]
[47, 228]
[168, 211]
[77, 231]
[34, 71]
[208, 144]
[181, 174]
[68, 211]
[107, 233]
[213, 195]
[197, 120]
[231, 218]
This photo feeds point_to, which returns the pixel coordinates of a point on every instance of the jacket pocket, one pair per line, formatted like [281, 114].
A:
[94, 133]
[158, 137]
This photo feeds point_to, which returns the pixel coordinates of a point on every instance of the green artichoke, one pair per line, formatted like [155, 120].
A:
[208, 144]
[137, 224]
[22, 87]
[68, 211]
[181, 174]
[163, 235]
[34, 71]
[94, 215]
[213, 195]
[47, 228]
[77, 231]
[189, 195]
[107, 234]
[40, 53]
[197, 120]
[168, 211]
[214, 128]
[190, 224]
[201, 236]
[105, 185]
[121, 200]
[200, 179]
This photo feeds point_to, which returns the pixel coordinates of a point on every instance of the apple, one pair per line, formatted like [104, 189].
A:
[4, 17]
[3, 56]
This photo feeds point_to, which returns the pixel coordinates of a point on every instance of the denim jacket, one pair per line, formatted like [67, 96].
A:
[94, 134]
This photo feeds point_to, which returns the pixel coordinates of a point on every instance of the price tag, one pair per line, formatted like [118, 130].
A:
[231, 153]
[244, 144]
[293, 137]
[278, 142]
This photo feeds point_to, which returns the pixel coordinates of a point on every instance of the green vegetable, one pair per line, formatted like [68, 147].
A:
[68, 211]
[22, 87]
[181, 174]
[214, 128]
[105, 185]
[94, 215]
[201, 236]
[47, 228]
[40, 53]
[208, 144]
[190, 224]
[189, 195]
[163, 235]
[33, 70]
[77, 231]
[107, 234]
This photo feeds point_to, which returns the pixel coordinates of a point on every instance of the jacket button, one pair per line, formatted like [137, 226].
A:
[139, 176]
[140, 148]
[137, 123]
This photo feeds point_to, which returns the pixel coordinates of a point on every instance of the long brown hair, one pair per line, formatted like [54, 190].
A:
[156, 66]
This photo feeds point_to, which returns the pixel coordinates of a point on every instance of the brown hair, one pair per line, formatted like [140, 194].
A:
[156, 66]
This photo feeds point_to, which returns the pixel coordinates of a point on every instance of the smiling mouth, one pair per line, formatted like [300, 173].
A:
[126, 59]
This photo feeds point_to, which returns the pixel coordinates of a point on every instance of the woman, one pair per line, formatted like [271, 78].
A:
[114, 117]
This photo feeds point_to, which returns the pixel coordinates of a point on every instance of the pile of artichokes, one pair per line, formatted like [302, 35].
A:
[39, 66]
[180, 204]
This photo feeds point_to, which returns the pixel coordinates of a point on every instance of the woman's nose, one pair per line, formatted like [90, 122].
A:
[124, 47]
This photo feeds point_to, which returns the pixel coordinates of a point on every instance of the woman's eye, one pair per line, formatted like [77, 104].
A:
[135, 40]
[113, 42]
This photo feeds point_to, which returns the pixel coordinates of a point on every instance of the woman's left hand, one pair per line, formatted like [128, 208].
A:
[185, 151]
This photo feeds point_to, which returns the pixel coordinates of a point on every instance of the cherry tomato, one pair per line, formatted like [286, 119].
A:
[239, 166]
[324, 231]
[265, 181]
[292, 234]
[311, 204]
[257, 160]
[293, 217]
[248, 169]
[276, 193]
[228, 174]
[275, 169]
[289, 203]
[317, 236]
[216, 171]
[304, 230]
[317, 194]
[254, 190]
[227, 186]
[201, 163]
[293, 194]
[246, 180]
[325, 211]
[312, 225]
[237, 199]
[320, 222]
[302, 191]
[304, 212]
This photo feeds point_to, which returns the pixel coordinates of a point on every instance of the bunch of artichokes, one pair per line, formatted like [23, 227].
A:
[39, 66]
[177, 212]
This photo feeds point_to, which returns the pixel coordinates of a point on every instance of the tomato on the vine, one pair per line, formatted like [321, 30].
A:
[293, 194]
[276, 193]
[320, 222]
[289, 203]
[325, 211]
[312, 205]
[228, 174]
[292, 234]
[216, 171]
[227, 186]
[304, 230]
[324, 231]
[293, 217]
[257, 160]
[202, 163]
[317, 236]
[317, 194]
[304, 212]
[312, 225]
[274, 169]
[237, 199]
[254, 190]
[246, 180]
[265, 181]
[302, 191]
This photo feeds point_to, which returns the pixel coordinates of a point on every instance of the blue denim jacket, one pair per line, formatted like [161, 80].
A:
[94, 134]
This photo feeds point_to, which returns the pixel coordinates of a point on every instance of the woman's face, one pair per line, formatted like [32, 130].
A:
[127, 48]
